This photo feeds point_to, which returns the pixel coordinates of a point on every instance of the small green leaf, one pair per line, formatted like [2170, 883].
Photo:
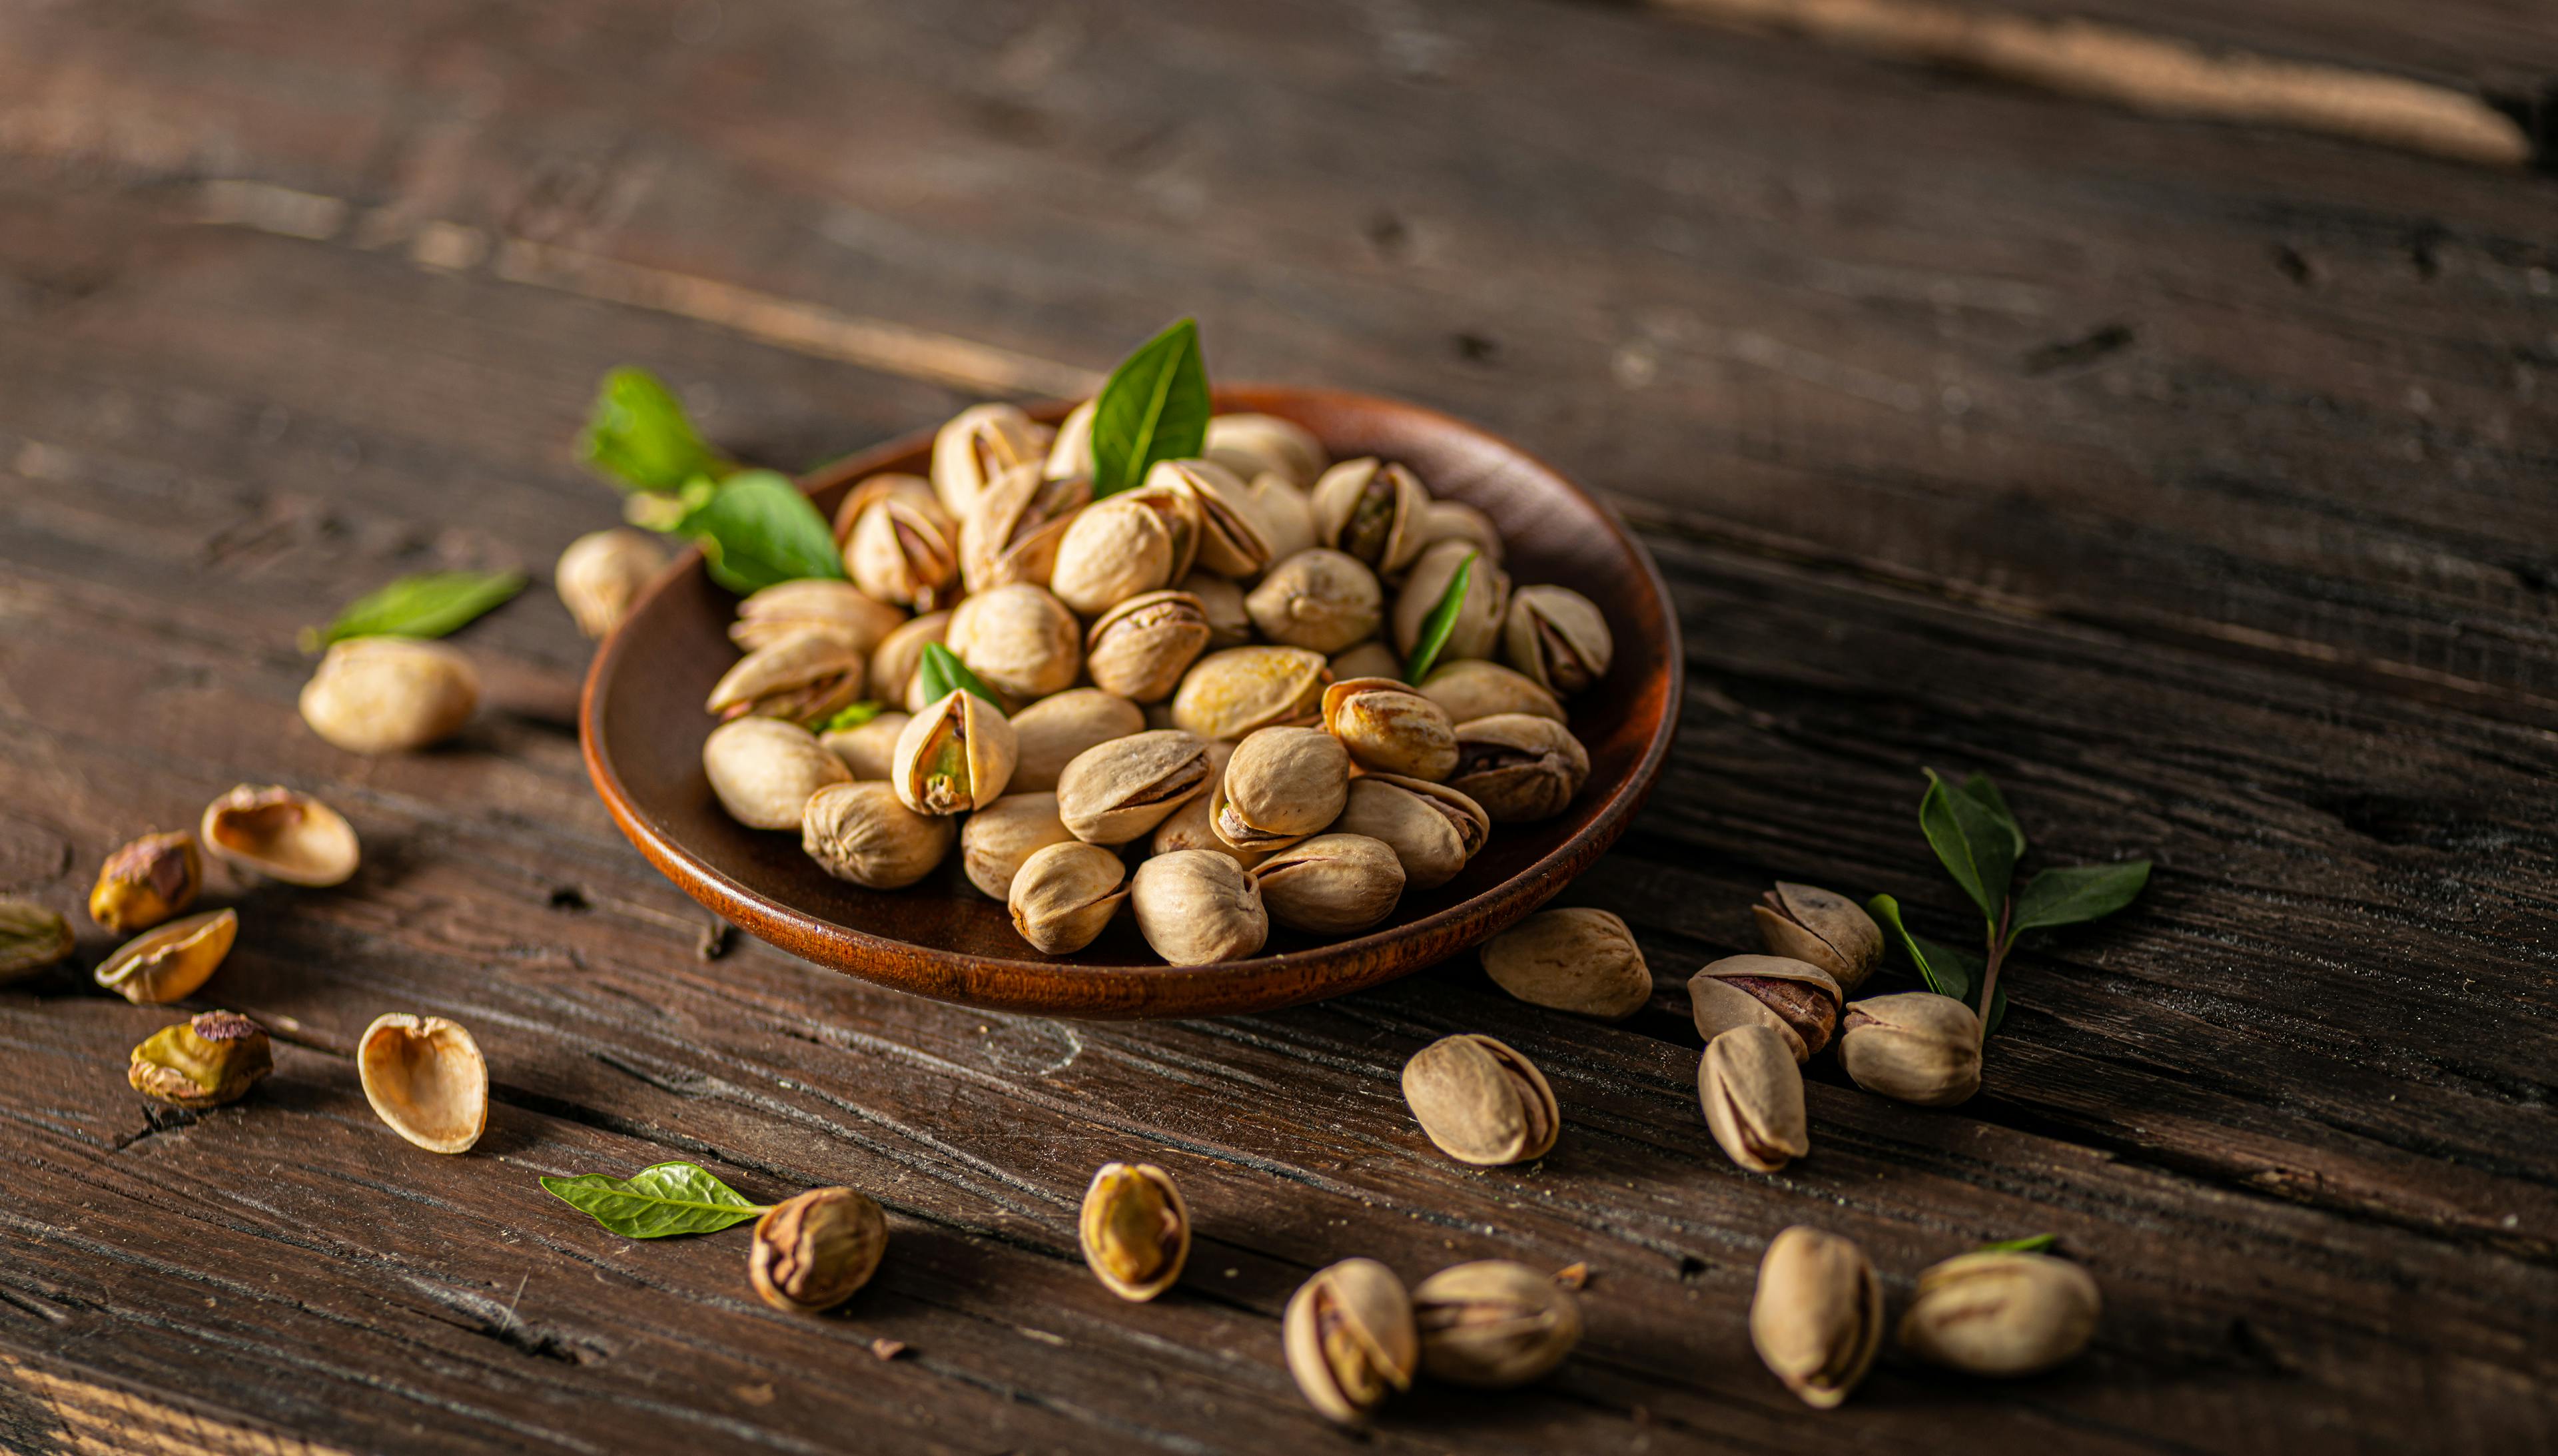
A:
[657, 1201]
[853, 715]
[418, 606]
[2031, 1243]
[640, 436]
[756, 530]
[1976, 849]
[1946, 969]
[2068, 897]
[1442, 621]
[1154, 407]
[1987, 796]
[943, 671]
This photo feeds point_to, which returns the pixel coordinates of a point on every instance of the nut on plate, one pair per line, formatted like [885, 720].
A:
[813, 1252]
[1389, 728]
[1251, 445]
[870, 749]
[1197, 908]
[804, 678]
[864, 834]
[1012, 532]
[980, 445]
[146, 882]
[1186, 828]
[1350, 1339]
[272, 831]
[1455, 520]
[1238, 691]
[1915, 1046]
[1064, 896]
[602, 573]
[425, 1079]
[1827, 930]
[1470, 688]
[1481, 1101]
[1116, 790]
[1370, 659]
[1280, 786]
[1134, 1230]
[1230, 543]
[1320, 598]
[1557, 639]
[1520, 769]
[1573, 960]
[1799, 1002]
[957, 754]
[1432, 829]
[1287, 514]
[1478, 625]
[1493, 1324]
[814, 604]
[763, 771]
[997, 839]
[1229, 623]
[168, 964]
[32, 938]
[1071, 452]
[1817, 1317]
[1019, 639]
[1136, 541]
[211, 1058]
[1371, 511]
[389, 694]
[2001, 1312]
[1139, 647]
[1052, 732]
[899, 543]
[1751, 1094]
[1330, 883]
[893, 663]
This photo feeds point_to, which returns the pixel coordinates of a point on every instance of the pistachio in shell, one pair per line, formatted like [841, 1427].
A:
[999, 837]
[1287, 514]
[1573, 960]
[1281, 784]
[1827, 930]
[864, 834]
[1389, 728]
[146, 882]
[168, 964]
[1011, 532]
[955, 755]
[425, 1079]
[32, 938]
[1470, 688]
[389, 694]
[1914, 1047]
[1230, 543]
[1371, 510]
[1186, 828]
[1019, 639]
[1350, 1339]
[280, 834]
[813, 1252]
[1229, 623]
[1251, 445]
[1330, 883]
[814, 604]
[1455, 520]
[763, 771]
[979, 446]
[900, 544]
[804, 678]
[1799, 1001]
[1751, 1094]
[1320, 598]
[893, 663]
[1139, 647]
[2001, 1313]
[1478, 623]
[1131, 543]
[1518, 768]
[870, 749]
[1370, 659]
[1240, 691]
[209, 1060]
[1134, 1230]
[1432, 829]
[1493, 1324]
[1065, 895]
[1479, 1102]
[1114, 791]
[1197, 908]
[1557, 639]
[1071, 452]
[1816, 1315]
[602, 572]
[1049, 733]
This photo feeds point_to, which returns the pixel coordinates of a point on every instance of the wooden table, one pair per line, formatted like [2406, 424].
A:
[2197, 482]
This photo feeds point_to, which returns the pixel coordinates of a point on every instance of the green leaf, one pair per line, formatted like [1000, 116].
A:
[1976, 849]
[943, 671]
[658, 1200]
[2068, 897]
[1986, 794]
[2031, 1243]
[1154, 407]
[853, 715]
[756, 530]
[1442, 621]
[640, 436]
[1946, 969]
[418, 606]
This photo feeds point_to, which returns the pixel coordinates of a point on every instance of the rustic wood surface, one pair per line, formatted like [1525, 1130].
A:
[2195, 481]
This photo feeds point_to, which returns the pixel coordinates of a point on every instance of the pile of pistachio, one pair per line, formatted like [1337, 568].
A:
[1205, 665]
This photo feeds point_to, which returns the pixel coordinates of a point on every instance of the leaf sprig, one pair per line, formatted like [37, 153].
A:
[1441, 624]
[657, 1202]
[943, 673]
[430, 605]
[1155, 406]
[754, 528]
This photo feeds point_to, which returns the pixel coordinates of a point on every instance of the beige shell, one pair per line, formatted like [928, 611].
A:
[1751, 1094]
[31, 939]
[1828, 929]
[168, 963]
[1139, 647]
[813, 1252]
[1799, 1001]
[602, 572]
[1493, 1324]
[1115, 549]
[1432, 829]
[1230, 624]
[1230, 543]
[1251, 444]
[870, 749]
[1049, 733]
[283, 835]
[1071, 452]
[1351, 1340]
[814, 603]
[1281, 784]
[892, 677]
[1018, 639]
[978, 446]
[1914, 1047]
[1370, 659]
[1816, 1315]
[1197, 908]
[1481, 1101]
[1319, 599]
[425, 1079]
[1116, 790]
[1455, 520]
[1186, 828]
[1573, 960]
[763, 771]
[1470, 688]
[2001, 1312]
[1066, 894]
[1371, 511]
[1330, 883]
[863, 833]
[997, 839]
[1134, 1230]
[1478, 626]
[1242, 690]
[901, 543]
[1011, 532]
[1389, 728]
[804, 678]
[1557, 637]
[1518, 768]
[957, 754]
[389, 694]
[1286, 513]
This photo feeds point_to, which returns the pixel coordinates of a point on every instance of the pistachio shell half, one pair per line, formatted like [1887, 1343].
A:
[1281, 784]
[1557, 637]
[32, 938]
[1139, 647]
[168, 964]
[1371, 511]
[813, 1252]
[1019, 639]
[1799, 1001]
[2001, 1312]
[1232, 693]
[1470, 688]
[281, 834]
[1230, 543]
[1916, 1047]
[997, 839]
[804, 678]
[1330, 883]
[425, 1079]
[901, 543]
[1827, 930]
[602, 572]
[1197, 908]
[1478, 629]
[814, 603]
[957, 754]
[1481, 1101]
[1816, 1316]
[1350, 1339]
[211, 1058]
[1432, 829]
[146, 882]
[1752, 1096]
[1011, 532]
[1319, 599]
[1253, 444]
[389, 694]
[763, 771]
[1188, 827]
[978, 446]
[1575, 960]
[1389, 728]
[1493, 1324]
[864, 834]
[1134, 1230]
[1518, 768]
[1065, 895]
[1113, 792]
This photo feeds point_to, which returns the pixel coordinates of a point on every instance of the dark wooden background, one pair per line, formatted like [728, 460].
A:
[2196, 481]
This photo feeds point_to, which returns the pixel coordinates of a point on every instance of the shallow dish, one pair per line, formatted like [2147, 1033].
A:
[641, 727]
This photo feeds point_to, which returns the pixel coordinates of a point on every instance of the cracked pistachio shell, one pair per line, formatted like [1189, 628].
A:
[1914, 1047]
[1252, 445]
[1011, 532]
[168, 964]
[955, 755]
[1433, 830]
[1230, 543]
[389, 694]
[813, 1252]
[1235, 693]
[870, 750]
[1470, 688]
[32, 938]
[1493, 1324]
[1071, 452]
[1454, 520]
[1019, 639]
[1188, 827]
[900, 544]
[864, 834]
[1054, 730]
[1139, 647]
[1518, 768]
[1799, 1001]
[1066, 894]
[1371, 511]
[1139, 541]
[1330, 883]
[1557, 637]
[1576, 959]
[1319, 599]
[1197, 908]
[1281, 784]
[1751, 1094]
[1370, 659]
[1286, 513]
[1481, 1101]
[602, 572]
[1478, 629]
[425, 1080]
[1817, 1317]
[804, 678]
[1134, 1230]
[763, 771]
[1350, 1339]
[997, 839]
[1830, 930]
[1113, 792]
[146, 882]
[893, 664]
[818, 604]
[211, 1058]
[283, 835]
[978, 446]
[1389, 728]
[1230, 624]
[2001, 1312]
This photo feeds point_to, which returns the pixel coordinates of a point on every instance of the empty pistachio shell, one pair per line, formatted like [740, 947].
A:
[1518, 768]
[280, 834]
[1065, 895]
[1019, 639]
[2001, 1312]
[32, 938]
[1917, 1046]
[206, 1061]
[997, 839]
[900, 544]
[424, 1077]
[870, 750]
[1470, 688]
[1751, 1094]
[1281, 784]
[804, 678]
[1817, 1317]
[814, 603]
[1197, 908]
[813, 1252]
[1071, 453]
[1557, 637]
[893, 664]
[1481, 1101]
[1575, 960]
[1454, 520]
[1477, 627]
[389, 694]
[1371, 511]
[1330, 883]
[168, 964]
[1286, 511]
[863, 833]
[1231, 693]
[1230, 543]
[146, 882]
[1370, 659]
[1251, 444]
[1350, 1339]
[1134, 1230]
[1389, 728]
[1830, 930]
[1319, 599]
[602, 573]
[1432, 829]
[1230, 624]
[955, 755]
[1797, 1001]
[1188, 827]
[978, 446]
[1011, 532]
[1116, 548]
[1049, 733]
[1139, 647]
[1113, 792]
[1493, 1324]
[763, 770]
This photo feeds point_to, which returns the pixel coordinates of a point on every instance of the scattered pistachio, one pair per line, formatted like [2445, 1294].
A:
[1135, 1230]
[1370, 659]
[1574, 959]
[813, 1252]
[425, 1079]
[1350, 1339]
[213, 1058]
[1229, 623]
[1230, 543]
[1454, 520]
[863, 833]
[2001, 1313]
[1916, 1046]
[1752, 1096]
[1830, 930]
[901, 543]
[276, 832]
[168, 964]
[1797, 1001]
[1286, 511]
[1493, 1324]
[146, 882]
[32, 938]
[389, 694]
[1118, 548]
[1481, 1101]
[1817, 1317]
[602, 573]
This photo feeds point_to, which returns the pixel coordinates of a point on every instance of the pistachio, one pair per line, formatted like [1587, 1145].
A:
[1139, 647]
[1817, 1317]
[1370, 659]
[168, 964]
[1830, 930]
[763, 771]
[863, 833]
[978, 446]
[892, 675]
[389, 694]
[2001, 1312]
[1477, 627]
[1282, 784]
[146, 882]
[1371, 511]
[1134, 1229]
[1286, 514]
[425, 1079]
[211, 1058]
[1455, 520]
[1330, 883]
[1188, 827]
[1470, 688]
[1432, 829]
[957, 754]
[1797, 1001]
[1752, 1096]
[1071, 452]
[1493, 1324]
[32, 938]
[283, 836]
[1915, 1046]
[901, 543]
[1576, 959]
[870, 750]
[1235, 693]
[1135, 541]
[1197, 908]
[1229, 623]
[814, 603]
[1481, 1101]
[804, 678]
[1389, 728]
[1518, 768]
[1054, 730]
[1066, 894]
[1557, 637]
[1350, 1339]
[602, 573]
[1019, 640]
[997, 839]
[1254, 444]
[813, 1252]
[1230, 543]
[1113, 792]
[1319, 599]
[1011, 532]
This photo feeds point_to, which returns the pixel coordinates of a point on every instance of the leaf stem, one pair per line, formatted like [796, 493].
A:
[1999, 941]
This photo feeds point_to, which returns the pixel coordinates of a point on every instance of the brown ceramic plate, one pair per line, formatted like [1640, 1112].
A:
[641, 725]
